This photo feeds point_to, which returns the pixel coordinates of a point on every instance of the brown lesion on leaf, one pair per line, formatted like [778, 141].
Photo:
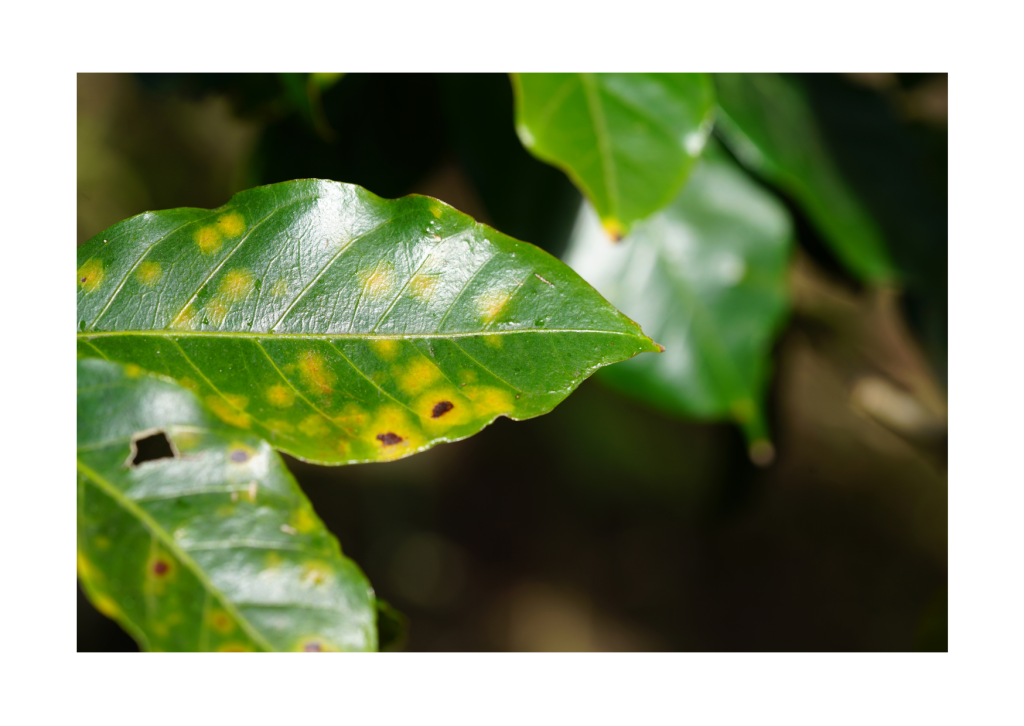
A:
[389, 438]
[441, 408]
[161, 568]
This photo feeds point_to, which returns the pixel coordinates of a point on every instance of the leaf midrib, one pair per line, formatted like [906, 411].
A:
[86, 336]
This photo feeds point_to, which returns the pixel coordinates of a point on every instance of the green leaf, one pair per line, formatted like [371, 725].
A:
[766, 121]
[343, 327]
[707, 278]
[213, 547]
[628, 140]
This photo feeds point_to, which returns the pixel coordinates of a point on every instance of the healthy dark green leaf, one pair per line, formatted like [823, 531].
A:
[707, 277]
[343, 327]
[628, 140]
[214, 546]
[766, 121]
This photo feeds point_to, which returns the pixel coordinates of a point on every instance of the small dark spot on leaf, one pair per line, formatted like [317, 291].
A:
[160, 568]
[312, 648]
[441, 408]
[84, 279]
[517, 395]
[152, 448]
[389, 439]
[240, 455]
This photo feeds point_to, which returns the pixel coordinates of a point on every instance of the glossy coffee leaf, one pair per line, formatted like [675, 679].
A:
[211, 547]
[707, 278]
[342, 327]
[767, 122]
[628, 140]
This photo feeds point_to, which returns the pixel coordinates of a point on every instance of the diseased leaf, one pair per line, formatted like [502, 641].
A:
[628, 140]
[213, 547]
[766, 121]
[707, 278]
[343, 327]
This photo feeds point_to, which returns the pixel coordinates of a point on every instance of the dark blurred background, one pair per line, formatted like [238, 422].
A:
[604, 525]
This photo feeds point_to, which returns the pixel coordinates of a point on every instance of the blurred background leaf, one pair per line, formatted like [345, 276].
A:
[707, 279]
[768, 123]
[627, 140]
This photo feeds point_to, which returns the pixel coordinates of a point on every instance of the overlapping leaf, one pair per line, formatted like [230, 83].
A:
[628, 140]
[213, 548]
[343, 327]
[768, 124]
[707, 278]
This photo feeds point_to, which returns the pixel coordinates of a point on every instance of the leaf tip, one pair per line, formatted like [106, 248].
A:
[614, 228]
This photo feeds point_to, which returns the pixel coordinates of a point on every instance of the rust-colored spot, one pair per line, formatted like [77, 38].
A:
[441, 408]
[160, 568]
[389, 439]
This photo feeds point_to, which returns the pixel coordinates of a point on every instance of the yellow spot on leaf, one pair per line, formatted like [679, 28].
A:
[186, 319]
[492, 341]
[491, 303]
[392, 433]
[234, 647]
[489, 401]
[189, 383]
[231, 225]
[132, 371]
[314, 426]
[90, 275]
[280, 288]
[352, 417]
[316, 572]
[377, 282]
[422, 286]
[417, 376]
[230, 409]
[236, 285]
[86, 570]
[280, 396]
[209, 240]
[304, 521]
[435, 209]
[315, 373]
[225, 511]
[186, 440]
[273, 559]
[279, 425]
[101, 542]
[467, 376]
[386, 348]
[149, 273]
[106, 605]
[441, 408]
[220, 621]
[216, 310]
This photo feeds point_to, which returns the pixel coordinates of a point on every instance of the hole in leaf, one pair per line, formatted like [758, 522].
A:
[152, 448]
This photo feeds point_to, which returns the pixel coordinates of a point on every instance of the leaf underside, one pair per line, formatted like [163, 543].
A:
[212, 548]
[707, 278]
[342, 327]
[770, 126]
[628, 140]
